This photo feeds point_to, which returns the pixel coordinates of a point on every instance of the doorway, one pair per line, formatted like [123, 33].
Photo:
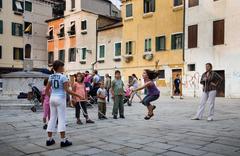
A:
[221, 88]
[175, 73]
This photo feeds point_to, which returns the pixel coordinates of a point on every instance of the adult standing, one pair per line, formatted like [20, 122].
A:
[210, 81]
[107, 84]
[176, 87]
[87, 80]
[134, 85]
[95, 83]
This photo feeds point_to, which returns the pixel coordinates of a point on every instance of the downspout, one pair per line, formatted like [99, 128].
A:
[96, 44]
[184, 22]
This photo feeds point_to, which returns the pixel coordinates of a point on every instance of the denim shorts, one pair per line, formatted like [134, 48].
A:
[149, 98]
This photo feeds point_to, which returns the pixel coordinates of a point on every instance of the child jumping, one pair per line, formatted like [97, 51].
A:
[80, 103]
[152, 91]
[117, 91]
[102, 94]
[59, 85]
[45, 102]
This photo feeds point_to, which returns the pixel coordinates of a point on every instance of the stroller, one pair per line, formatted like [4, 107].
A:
[127, 96]
[34, 97]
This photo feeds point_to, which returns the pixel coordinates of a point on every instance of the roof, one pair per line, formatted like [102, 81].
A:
[111, 26]
[53, 19]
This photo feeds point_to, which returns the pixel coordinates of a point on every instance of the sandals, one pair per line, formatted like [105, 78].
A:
[148, 117]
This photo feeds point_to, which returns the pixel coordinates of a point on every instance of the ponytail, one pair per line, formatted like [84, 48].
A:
[152, 74]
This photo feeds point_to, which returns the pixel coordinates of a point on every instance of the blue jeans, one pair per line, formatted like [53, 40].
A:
[149, 98]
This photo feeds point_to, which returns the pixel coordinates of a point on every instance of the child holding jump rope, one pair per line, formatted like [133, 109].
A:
[152, 91]
[59, 85]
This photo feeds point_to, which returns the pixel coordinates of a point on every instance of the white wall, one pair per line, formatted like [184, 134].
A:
[223, 57]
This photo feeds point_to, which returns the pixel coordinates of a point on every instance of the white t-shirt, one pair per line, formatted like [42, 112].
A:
[102, 92]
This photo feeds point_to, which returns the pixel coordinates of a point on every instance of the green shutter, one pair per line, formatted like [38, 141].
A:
[21, 29]
[173, 42]
[1, 26]
[118, 49]
[129, 10]
[28, 6]
[13, 29]
[21, 54]
[157, 43]
[102, 51]
[84, 51]
[0, 3]
[14, 5]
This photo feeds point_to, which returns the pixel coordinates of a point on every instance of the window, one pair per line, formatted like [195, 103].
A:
[17, 29]
[177, 41]
[61, 31]
[191, 67]
[160, 43]
[72, 55]
[18, 53]
[28, 51]
[129, 48]
[50, 33]
[149, 6]
[218, 32]
[148, 45]
[1, 27]
[117, 49]
[84, 25]
[192, 3]
[129, 12]
[161, 74]
[192, 36]
[50, 57]
[101, 52]
[27, 28]
[0, 52]
[61, 55]
[72, 29]
[17, 6]
[84, 54]
[72, 4]
[28, 6]
[177, 3]
[0, 3]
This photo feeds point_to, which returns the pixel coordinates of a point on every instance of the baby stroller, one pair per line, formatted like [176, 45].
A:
[34, 97]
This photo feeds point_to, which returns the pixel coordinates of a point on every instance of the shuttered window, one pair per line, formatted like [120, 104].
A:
[0, 3]
[160, 43]
[61, 55]
[18, 53]
[72, 55]
[192, 36]
[50, 57]
[177, 41]
[1, 27]
[149, 6]
[17, 29]
[218, 32]
[28, 6]
[0, 52]
[129, 12]
[192, 3]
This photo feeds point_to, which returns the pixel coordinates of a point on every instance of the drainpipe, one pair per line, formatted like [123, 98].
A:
[184, 22]
[96, 44]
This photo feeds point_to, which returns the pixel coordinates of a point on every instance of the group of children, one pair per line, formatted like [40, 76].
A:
[54, 99]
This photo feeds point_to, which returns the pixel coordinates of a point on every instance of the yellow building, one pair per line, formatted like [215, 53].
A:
[153, 39]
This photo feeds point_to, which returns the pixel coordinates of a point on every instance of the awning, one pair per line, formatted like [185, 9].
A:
[29, 28]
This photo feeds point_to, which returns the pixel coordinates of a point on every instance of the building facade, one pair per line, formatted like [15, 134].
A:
[23, 34]
[212, 36]
[80, 45]
[153, 39]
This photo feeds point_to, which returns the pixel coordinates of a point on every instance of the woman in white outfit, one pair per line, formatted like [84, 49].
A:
[134, 85]
[210, 81]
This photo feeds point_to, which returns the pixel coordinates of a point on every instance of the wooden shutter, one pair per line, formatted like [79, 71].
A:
[20, 53]
[13, 29]
[173, 45]
[1, 26]
[218, 32]
[192, 36]
[192, 3]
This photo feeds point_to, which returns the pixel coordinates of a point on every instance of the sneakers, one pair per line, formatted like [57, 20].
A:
[79, 122]
[209, 119]
[89, 121]
[66, 143]
[50, 142]
[122, 116]
[195, 118]
[114, 116]
[45, 126]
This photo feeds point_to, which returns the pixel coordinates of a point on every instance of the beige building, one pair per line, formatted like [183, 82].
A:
[109, 49]
[23, 33]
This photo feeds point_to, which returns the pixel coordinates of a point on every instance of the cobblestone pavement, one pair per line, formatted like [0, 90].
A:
[169, 133]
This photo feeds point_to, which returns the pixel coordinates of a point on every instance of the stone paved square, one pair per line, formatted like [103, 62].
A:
[169, 133]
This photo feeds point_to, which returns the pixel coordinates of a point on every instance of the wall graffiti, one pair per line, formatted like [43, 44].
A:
[192, 81]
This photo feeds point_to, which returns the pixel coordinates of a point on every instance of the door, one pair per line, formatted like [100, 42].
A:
[175, 73]
[221, 88]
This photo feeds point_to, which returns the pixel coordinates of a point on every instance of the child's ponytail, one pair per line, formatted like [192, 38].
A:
[152, 74]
